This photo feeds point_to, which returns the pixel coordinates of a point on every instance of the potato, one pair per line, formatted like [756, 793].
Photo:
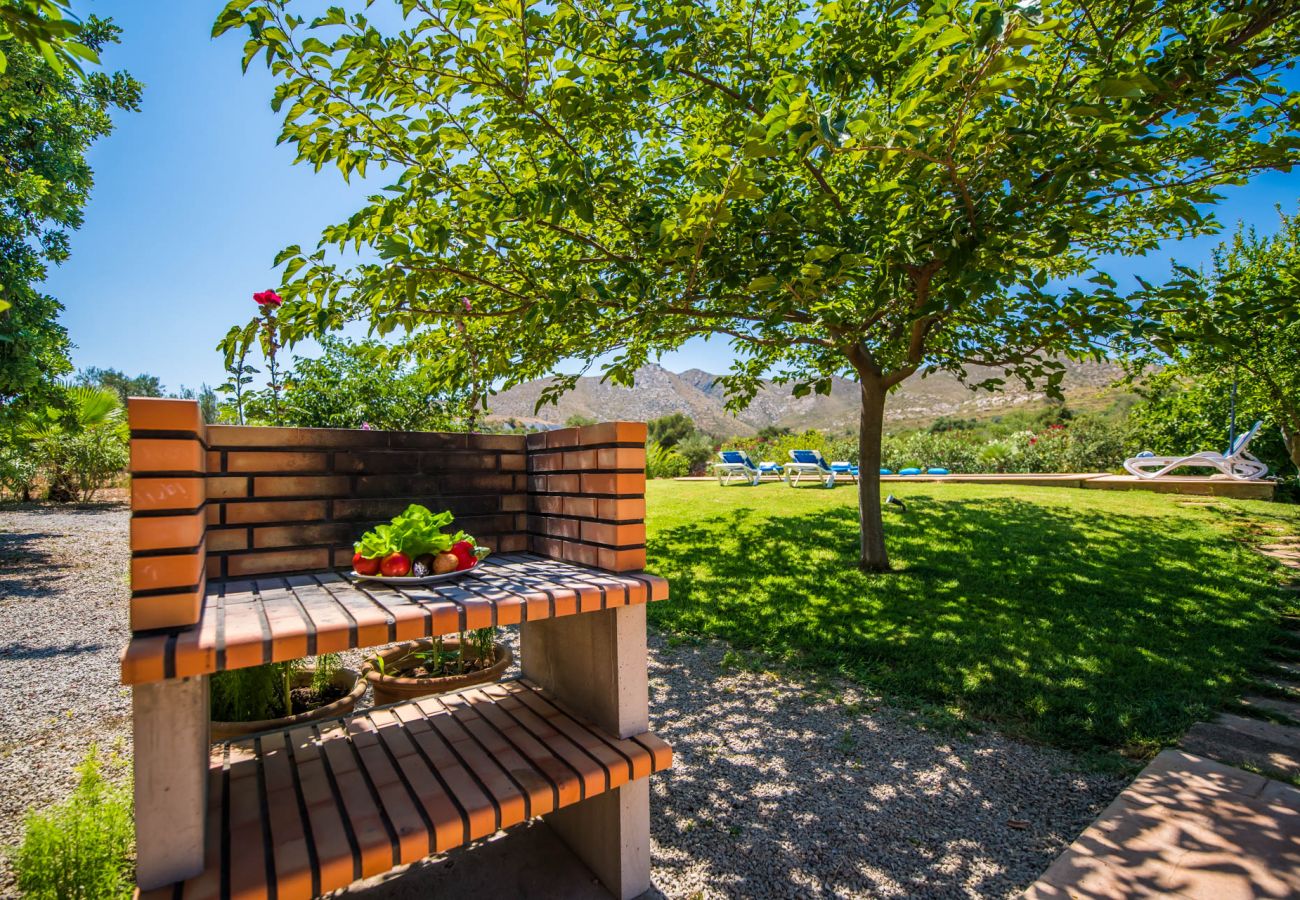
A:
[445, 562]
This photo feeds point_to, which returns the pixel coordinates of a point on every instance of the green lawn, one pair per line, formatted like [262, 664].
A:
[1090, 620]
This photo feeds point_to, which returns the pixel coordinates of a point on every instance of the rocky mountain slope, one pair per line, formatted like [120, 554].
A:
[659, 392]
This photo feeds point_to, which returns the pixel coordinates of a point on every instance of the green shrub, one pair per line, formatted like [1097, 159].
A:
[696, 449]
[80, 849]
[95, 457]
[18, 471]
[660, 462]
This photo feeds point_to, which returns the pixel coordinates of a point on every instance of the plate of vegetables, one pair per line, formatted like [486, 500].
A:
[415, 548]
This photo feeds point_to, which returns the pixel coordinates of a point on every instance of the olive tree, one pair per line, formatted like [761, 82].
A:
[865, 188]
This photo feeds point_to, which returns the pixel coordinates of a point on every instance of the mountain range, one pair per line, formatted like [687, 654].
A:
[659, 392]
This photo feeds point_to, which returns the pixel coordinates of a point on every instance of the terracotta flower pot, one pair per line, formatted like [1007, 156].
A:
[399, 684]
[347, 679]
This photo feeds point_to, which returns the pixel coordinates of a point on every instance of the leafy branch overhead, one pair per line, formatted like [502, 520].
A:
[866, 188]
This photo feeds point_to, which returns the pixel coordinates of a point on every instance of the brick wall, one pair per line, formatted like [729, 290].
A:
[168, 550]
[233, 502]
[285, 500]
[586, 495]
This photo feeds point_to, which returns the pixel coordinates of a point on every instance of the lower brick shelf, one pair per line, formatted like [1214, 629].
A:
[302, 812]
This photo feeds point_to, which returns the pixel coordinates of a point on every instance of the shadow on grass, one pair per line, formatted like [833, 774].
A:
[1081, 628]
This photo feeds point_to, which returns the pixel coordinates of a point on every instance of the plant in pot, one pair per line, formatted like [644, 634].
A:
[436, 666]
[281, 695]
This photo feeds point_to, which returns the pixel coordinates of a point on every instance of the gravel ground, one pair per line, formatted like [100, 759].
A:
[63, 622]
[779, 788]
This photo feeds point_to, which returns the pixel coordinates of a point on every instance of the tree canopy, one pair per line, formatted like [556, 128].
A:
[355, 384]
[124, 385]
[1236, 323]
[837, 187]
[51, 117]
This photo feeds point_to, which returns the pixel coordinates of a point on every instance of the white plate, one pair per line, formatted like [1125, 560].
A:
[411, 580]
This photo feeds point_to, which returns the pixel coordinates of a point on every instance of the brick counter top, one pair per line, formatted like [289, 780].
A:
[273, 619]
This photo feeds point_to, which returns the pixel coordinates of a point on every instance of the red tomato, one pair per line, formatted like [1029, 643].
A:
[363, 566]
[396, 565]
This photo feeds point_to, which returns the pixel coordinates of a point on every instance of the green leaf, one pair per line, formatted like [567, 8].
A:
[1119, 87]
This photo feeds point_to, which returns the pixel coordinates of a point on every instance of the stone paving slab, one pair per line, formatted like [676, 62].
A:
[1190, 828]
[1236, 740]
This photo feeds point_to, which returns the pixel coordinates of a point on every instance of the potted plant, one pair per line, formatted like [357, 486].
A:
[280, 695]
[436, 666]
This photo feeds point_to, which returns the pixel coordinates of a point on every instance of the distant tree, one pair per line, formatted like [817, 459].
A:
[774, 432]
[671, 430]
[51, 115]
[1239, 321]
[142, 385]
[209, 405]
[949, 423]
[857, 188]
[577, 421]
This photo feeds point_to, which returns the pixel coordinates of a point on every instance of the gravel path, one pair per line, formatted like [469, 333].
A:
[63, 622]
[779, 789]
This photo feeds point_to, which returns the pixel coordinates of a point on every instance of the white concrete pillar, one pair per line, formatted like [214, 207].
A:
[171, 779]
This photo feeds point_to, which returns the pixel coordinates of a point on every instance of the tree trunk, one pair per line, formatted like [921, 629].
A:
[1292, 441]
[871, 428]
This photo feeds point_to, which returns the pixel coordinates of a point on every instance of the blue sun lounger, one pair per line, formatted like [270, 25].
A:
[808, 463]
[739, 464]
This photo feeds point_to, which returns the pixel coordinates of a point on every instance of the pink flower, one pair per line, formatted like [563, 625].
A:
[365, 426]
[267, 298]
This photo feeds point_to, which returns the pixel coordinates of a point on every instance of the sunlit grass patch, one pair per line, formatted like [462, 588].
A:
[1089, 620]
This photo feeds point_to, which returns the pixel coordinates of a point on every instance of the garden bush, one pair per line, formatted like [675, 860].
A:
[18, 471]
[79, 446]
[664, 463]
[80, 849]
[697, 449]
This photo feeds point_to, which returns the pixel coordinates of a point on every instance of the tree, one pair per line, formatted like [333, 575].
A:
[1231, 325]
[864, 188]
[352, 385]
[142, 385]
[672, 429]
[51, 114]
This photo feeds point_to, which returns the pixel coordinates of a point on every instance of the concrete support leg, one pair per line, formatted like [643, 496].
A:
[611, 834]
[595, 664]
[171, 779]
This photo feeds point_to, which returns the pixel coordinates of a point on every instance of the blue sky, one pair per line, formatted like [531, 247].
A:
[193, 199]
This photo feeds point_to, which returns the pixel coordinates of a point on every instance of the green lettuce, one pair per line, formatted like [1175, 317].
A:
[415, 532]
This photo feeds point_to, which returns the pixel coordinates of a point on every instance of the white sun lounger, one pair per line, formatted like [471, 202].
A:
[809, 462]
[1236, 463]
[739, 464]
